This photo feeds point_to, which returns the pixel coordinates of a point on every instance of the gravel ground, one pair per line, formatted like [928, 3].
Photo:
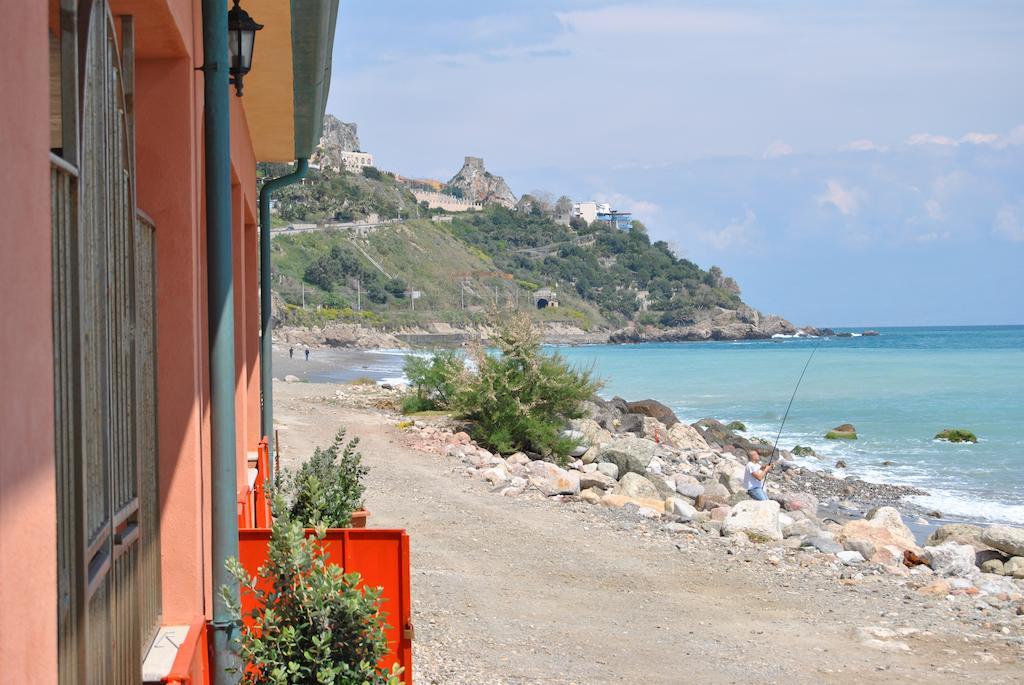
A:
[533, 590]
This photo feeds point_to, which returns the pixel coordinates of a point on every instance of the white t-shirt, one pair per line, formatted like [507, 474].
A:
[748, 476]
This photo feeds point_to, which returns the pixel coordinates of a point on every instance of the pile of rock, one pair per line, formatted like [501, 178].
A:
[637, 457]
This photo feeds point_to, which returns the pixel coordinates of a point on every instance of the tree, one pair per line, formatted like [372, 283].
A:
[521, 397]
[563, 206]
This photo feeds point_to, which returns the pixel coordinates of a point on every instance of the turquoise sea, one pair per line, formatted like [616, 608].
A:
[899, 389]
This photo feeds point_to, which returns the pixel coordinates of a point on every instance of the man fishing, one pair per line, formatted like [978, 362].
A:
[753, 477]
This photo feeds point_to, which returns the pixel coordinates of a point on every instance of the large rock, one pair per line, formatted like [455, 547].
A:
[596, 479]
[636, 486]
[759, 519]
[845, 431]
[653, 429]
[1005, 538]
[881, 539]
[630, 455]
[730, 474]
[609, 469]
[964, 533]
[593, 432]
[627, 423]
[688, 489]
[686, 438]
[552, 480]
[654, 409]
[619, 501]
[951, 559]
[680, 507]
[797, 501]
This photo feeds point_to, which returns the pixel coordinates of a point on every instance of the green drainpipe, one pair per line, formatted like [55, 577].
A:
[266, 339]
[220, 293]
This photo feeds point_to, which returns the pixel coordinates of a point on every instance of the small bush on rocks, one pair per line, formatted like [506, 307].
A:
[313, 624]
[522, 398]
[327, 488]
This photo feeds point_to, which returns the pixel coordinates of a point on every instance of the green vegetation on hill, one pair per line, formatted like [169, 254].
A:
[340, 196]
[614, 269]
[496, 257]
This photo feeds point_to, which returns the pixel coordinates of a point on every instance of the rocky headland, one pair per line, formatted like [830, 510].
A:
[744, 323]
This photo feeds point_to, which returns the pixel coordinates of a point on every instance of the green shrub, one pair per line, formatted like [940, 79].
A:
[736, 426]
[521, 398]
[414, 404]
[313, 624]
[434, 380]
[326, 489]
[362, 380]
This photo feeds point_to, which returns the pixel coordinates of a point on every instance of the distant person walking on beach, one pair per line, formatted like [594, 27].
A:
[307, 354]
[753, 477]
[291, 353]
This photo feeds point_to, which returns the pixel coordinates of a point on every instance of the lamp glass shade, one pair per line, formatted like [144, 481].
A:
[240, 45]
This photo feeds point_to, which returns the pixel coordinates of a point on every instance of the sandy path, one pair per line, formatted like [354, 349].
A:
[522, 590]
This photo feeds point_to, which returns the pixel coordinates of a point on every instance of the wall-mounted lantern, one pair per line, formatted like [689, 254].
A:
[241, 36]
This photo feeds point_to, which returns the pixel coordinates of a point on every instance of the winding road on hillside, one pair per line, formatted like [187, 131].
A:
[526, 590]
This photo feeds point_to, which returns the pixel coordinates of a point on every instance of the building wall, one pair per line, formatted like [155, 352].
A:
[169, 174]
[28, 510]
[449, 203]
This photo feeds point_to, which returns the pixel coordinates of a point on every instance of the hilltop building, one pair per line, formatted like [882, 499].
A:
[355, 161]
[591, 211]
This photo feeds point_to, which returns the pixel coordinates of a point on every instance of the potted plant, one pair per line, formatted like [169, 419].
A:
[308, 621]
[327, 489]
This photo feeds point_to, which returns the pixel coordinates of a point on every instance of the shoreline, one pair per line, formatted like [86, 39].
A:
[341, 365]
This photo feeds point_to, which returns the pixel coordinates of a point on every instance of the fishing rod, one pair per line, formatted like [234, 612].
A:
[775, 447]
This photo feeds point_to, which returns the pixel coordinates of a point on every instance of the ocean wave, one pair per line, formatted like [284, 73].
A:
[971, 507]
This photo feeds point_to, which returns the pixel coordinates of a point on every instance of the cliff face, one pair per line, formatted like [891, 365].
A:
[338, 137]
[479, 185]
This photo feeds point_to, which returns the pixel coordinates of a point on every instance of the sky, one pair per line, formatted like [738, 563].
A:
[850, 164]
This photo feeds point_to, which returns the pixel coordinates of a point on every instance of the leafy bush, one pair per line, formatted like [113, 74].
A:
[326, 489]
[314, 624]
[414, 404]
[434, 381]
[522, 398]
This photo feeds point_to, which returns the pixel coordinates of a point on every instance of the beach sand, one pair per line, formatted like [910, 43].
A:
[530, 590]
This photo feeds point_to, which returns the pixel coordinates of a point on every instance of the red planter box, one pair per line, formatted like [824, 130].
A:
[380, 556]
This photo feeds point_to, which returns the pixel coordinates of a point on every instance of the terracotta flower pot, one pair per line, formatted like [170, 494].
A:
[359, 518]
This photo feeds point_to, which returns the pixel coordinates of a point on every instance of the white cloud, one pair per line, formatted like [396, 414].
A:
[994, 140]
[863, 145]
[1009, 223]
[739, 234]
[847, 201]
[779, 148]
[930, 139]
[981, 138]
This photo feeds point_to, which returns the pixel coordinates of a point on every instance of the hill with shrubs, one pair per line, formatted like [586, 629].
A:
[428, 266]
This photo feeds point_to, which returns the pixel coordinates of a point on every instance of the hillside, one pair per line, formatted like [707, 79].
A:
[457, 283]
[461, 266]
